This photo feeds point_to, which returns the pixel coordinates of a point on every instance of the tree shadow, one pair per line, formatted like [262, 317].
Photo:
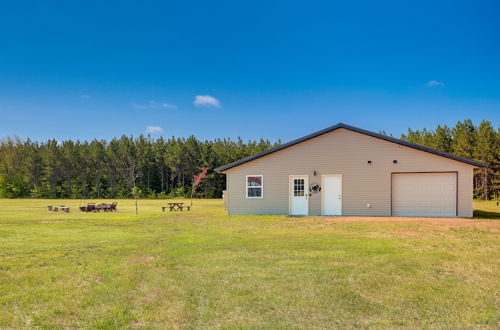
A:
[480, 214]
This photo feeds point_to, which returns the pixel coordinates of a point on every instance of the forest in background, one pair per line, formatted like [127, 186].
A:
[164, 168]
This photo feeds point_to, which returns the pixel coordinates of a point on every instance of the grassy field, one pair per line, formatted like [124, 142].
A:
[487, 209]
[202, 269]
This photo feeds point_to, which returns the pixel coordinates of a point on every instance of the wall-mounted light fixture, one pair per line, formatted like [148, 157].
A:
[395, 161]
[315, 173]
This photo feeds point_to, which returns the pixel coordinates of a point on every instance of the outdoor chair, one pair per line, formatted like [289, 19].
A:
[105, 207]
[112, 206]
[91, 207]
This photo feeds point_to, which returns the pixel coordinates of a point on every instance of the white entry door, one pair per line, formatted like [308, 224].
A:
[299, 203]
[332, 194]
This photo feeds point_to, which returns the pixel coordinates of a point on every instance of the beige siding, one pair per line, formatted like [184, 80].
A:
[341, 152]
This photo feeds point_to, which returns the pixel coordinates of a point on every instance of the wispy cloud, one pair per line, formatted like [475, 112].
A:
[154, 105]
[154, 130]
[206, 101]
[85, 96]
[434, 83]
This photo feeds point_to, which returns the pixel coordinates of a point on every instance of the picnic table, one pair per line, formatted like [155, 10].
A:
[174, 207]
[56, 208]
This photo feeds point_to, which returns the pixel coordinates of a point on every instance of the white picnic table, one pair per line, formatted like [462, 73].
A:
[56, 208]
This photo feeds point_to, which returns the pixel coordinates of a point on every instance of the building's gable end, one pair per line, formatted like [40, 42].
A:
[356, 130]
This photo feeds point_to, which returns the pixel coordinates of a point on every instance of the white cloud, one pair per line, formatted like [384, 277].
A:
[154, 130]
[154, 105]
[434, 83]
[85, 96]
[206, 101]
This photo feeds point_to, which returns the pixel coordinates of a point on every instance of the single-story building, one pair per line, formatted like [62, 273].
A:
[345, 170]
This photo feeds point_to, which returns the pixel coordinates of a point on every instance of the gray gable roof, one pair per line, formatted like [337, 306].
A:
[354, 129]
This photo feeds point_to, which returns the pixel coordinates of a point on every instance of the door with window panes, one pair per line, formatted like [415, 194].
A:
[299, 195]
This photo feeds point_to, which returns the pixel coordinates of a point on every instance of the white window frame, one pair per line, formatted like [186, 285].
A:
[261, 186]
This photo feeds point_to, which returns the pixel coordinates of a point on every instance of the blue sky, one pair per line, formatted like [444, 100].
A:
[280, 69]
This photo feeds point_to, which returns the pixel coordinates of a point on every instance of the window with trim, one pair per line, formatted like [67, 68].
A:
[254, 186]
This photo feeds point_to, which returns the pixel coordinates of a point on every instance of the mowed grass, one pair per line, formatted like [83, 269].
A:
[203, 269]
[487, 209]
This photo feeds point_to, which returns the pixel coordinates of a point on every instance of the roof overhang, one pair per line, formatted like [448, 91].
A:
[354, 129]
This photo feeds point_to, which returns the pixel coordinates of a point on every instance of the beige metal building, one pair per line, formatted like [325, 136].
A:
[345, 170]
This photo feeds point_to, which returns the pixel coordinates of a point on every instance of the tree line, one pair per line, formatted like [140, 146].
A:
[163, 168]
[119, 168]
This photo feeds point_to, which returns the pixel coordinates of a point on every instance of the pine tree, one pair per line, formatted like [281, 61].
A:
[442, 138]
[464, 139]
[485, 151]
[495, 168]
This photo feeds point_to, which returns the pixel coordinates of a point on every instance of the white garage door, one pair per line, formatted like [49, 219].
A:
[424, 194]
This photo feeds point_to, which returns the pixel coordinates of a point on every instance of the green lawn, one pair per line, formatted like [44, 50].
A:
[487, 209]
[204, 269]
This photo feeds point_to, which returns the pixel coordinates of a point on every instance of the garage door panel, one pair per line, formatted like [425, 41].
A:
[424, 194]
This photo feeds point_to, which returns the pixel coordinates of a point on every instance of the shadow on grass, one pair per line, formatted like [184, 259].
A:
[480, 214]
